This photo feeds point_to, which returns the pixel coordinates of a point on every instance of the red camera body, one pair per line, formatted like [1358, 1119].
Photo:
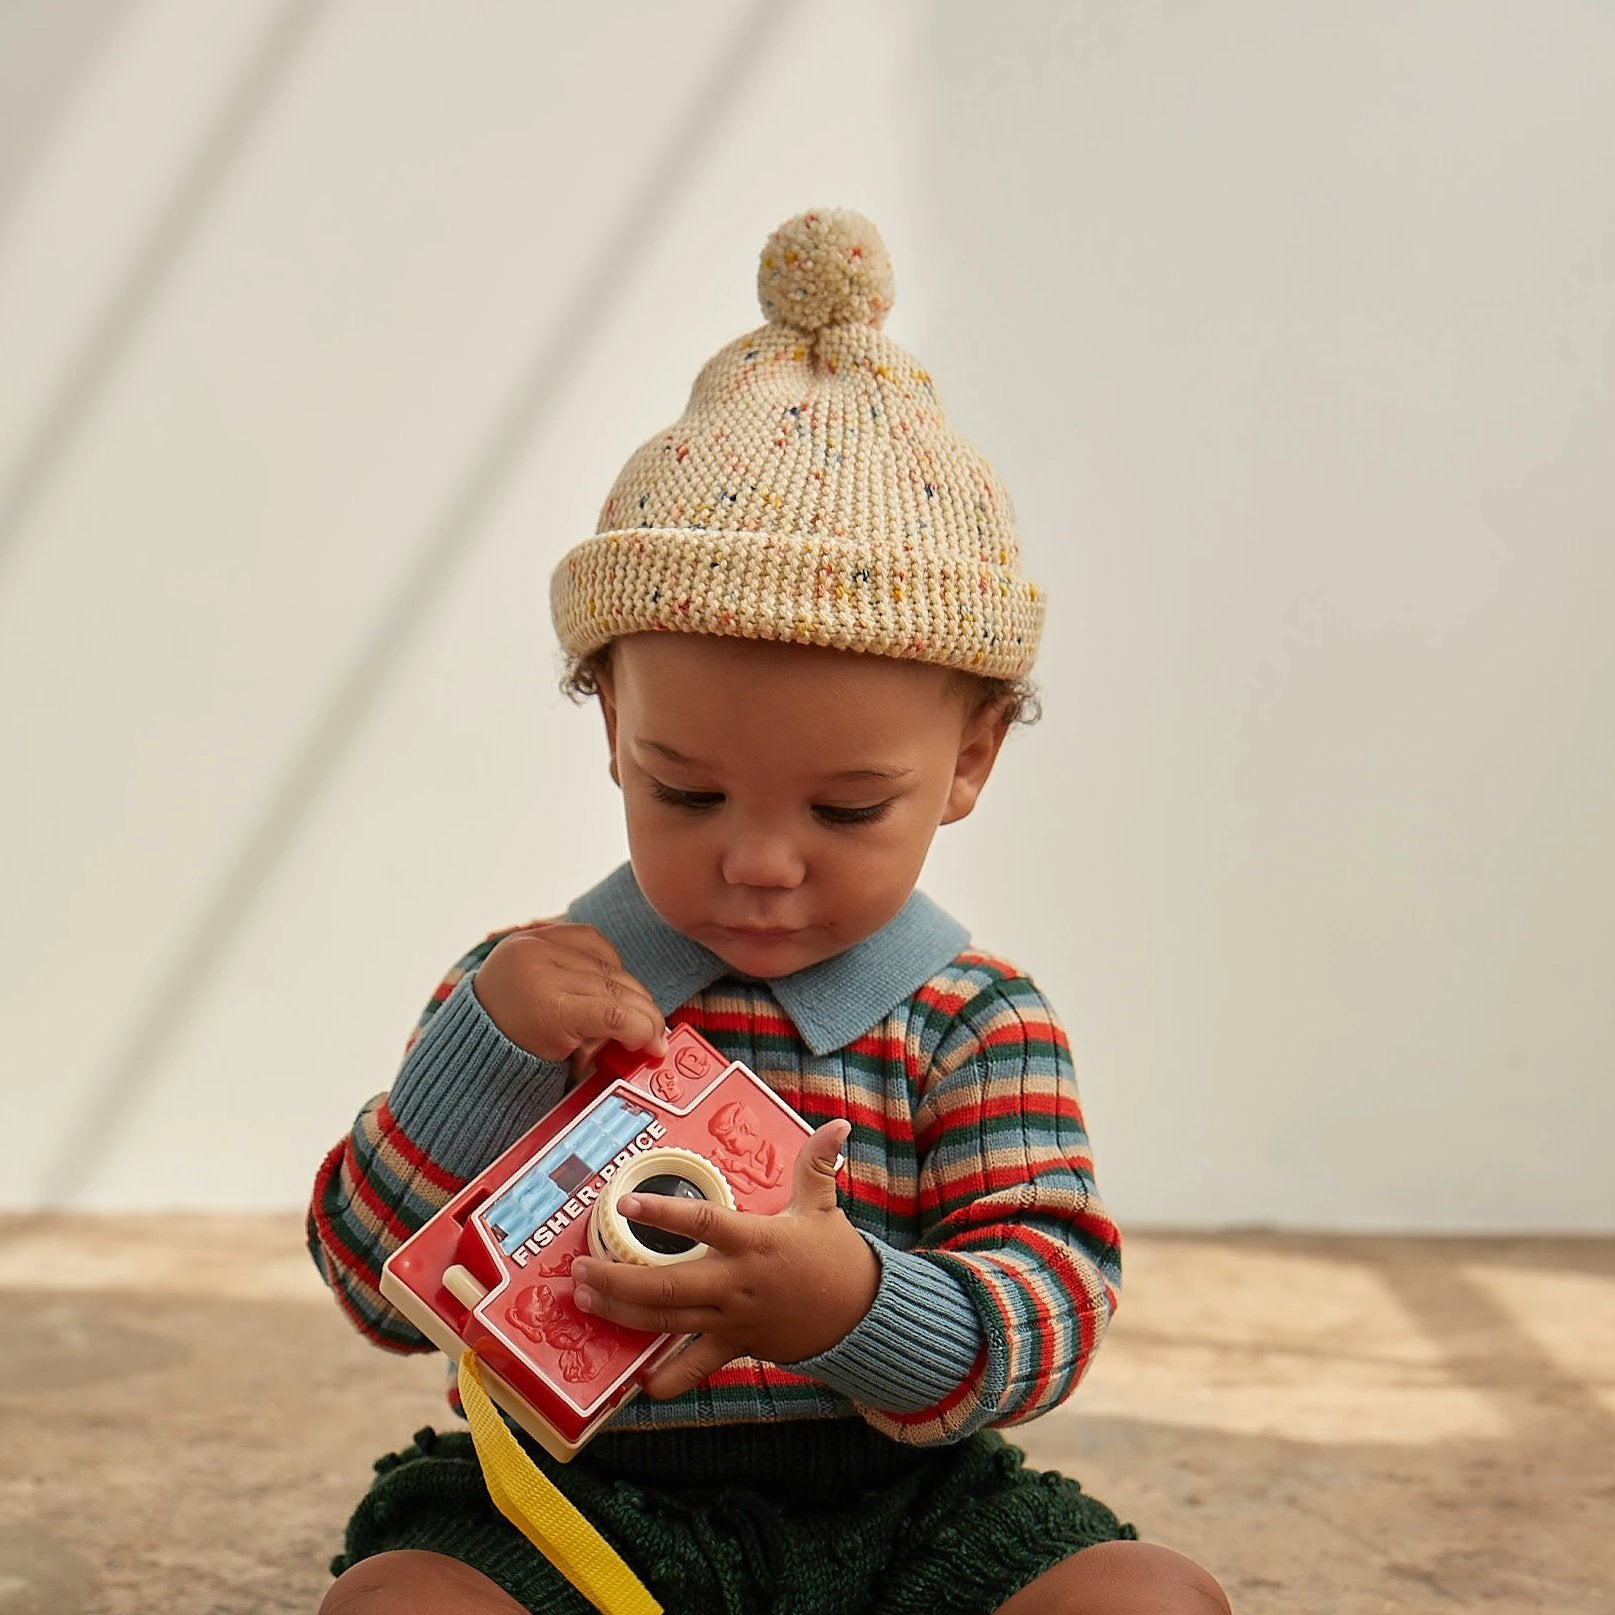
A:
[492, 1269]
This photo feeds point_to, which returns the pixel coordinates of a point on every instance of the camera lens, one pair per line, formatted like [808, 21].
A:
[666, 1170]
[659, 1239]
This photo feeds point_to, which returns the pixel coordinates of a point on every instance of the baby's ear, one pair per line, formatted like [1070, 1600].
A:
[984, 733]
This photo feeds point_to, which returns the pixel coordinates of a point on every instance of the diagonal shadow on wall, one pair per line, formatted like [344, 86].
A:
[48, 50]
[134, 297]
[448, 542]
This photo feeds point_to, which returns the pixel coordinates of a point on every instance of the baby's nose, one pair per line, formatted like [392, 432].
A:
[759, 858]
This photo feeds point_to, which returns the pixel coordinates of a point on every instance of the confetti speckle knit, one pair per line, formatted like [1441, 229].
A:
[812, 491]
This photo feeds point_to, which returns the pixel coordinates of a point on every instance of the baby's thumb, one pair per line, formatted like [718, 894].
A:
[816, 1165]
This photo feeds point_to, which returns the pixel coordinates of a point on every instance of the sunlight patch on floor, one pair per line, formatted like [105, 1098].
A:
[1569, 1317]
[1342, 1358]
[162, 1256]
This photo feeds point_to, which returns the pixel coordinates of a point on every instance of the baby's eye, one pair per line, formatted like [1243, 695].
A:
[691, 801]
[854, 815]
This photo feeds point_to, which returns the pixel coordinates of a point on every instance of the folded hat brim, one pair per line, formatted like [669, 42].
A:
[904, 601]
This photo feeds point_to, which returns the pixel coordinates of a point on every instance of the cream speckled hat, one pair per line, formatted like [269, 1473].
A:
[812, 491]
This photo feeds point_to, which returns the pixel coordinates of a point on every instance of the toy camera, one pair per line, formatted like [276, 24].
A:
[492, 1270]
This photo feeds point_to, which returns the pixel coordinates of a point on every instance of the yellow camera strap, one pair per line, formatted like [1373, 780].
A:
[530, 1500]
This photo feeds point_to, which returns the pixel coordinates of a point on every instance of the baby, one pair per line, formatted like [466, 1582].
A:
[805, 623]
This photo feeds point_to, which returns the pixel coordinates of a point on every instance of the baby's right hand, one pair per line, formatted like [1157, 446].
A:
[560, 991]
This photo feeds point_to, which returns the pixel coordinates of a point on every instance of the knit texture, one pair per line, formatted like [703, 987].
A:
[812, 491]
[835, 1521]
[968, 1170]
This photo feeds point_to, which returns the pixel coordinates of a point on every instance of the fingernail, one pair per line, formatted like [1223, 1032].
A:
[583, 1299]
[629, 1205]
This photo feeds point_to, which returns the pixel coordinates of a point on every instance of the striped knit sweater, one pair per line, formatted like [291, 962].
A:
[968, 1168]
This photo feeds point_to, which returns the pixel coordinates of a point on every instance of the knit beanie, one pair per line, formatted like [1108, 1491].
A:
[812, 491]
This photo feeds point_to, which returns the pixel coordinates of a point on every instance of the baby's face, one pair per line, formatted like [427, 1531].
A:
[781, 798]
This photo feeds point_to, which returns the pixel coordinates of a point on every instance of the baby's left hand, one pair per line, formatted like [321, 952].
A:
[781, 1288]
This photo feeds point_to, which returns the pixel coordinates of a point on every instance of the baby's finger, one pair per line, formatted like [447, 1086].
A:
[657, 1319]
[700, 1220]
[813, 1185]
[614, 1009]
[678, 1285]
[704, 1355]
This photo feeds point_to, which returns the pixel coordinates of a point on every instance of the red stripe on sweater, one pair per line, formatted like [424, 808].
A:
[1048, 1331]
[1019, 1034]
[743, 1020]
[750, 1376]
[1052, 1106]
[417, 1160]
[886, 1047]
[955, 1399]
[341, 1257]
[941, 1001]
[878, 1120]
[876, 1197]
[369, 1198]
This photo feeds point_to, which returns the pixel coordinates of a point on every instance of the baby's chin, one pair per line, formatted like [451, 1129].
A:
[766, 957]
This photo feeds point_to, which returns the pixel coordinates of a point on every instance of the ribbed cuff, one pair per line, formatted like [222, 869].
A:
[915, 1347]
[467, 1093]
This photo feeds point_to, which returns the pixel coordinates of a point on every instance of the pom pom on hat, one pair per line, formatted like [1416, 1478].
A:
[825, 268]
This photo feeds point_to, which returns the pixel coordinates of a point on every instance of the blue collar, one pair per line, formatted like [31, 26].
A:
[832, 1002]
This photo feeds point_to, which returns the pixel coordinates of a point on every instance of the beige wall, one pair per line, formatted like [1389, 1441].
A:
[324, 328]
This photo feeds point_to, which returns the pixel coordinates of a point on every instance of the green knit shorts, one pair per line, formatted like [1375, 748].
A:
[801, 1518]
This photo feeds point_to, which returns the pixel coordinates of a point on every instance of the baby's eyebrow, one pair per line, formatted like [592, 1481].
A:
[667, 752]
[871, 773]
[851, 776]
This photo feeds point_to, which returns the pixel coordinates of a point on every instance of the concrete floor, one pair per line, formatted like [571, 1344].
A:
[1350, 1426]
